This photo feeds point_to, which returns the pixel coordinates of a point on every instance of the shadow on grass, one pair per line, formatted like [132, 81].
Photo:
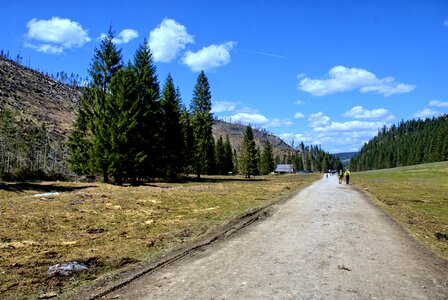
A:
[220, 179]
[44, 188]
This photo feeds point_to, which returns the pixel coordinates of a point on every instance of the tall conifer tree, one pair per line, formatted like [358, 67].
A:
[247, 161]
[172, 145]
[267, 159]
[95, 112]
[123, 126]
[202, 122]
[228, 156]
[149, 117]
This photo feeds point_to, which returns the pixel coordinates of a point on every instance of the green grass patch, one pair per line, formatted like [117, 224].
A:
[109, 228]
[416, 196]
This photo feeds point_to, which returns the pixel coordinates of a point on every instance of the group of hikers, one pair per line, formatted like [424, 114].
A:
[342, 174]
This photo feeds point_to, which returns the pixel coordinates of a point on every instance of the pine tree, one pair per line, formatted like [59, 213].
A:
[188, 142]
[220, 157]
[267, 159]
[172, 145]
[149, 117]
[236, 165]
[228, 157]
[247, 161]
[123, 126]
[94, 117]
[202, 122]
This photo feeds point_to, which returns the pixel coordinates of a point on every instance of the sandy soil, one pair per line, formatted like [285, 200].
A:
[327, 242]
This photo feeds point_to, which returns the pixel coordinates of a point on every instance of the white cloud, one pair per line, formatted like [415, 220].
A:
[358, 112]
[342, 79]
[299, 102]
[438, 103]
[299, 115]
[55, 35]
[296, 137]
[168, 39]
[279, 123]
[257, 119]
[246, 118]
[427, 113]
[318, 119]
[46, 48]
[209, 57]
[352, 127]
[223, 106]
[125, 36]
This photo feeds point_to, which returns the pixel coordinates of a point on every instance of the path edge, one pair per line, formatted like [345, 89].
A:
[115, 281]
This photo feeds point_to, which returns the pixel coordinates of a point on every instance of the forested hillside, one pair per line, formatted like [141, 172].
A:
[410, 143]
[124, 126]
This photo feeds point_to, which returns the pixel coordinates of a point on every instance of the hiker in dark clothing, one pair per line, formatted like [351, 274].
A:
[347, 177]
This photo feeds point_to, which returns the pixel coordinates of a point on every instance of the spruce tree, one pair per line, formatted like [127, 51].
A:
[202, 122]
[171, 146]
[220, 157]
[149, 117]
[123, 126]
[267, 159]
[247, 161]
[93, 120]
[228, 157]
[188, 142]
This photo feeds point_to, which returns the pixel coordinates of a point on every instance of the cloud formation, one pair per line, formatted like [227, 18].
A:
[246, 118]
[437, 103]
[318, 119]
[55, 35]
[168, 39]
[208, 58]
[256, 119]
[299, 115]
[125, 36]
[427, 113]
[223, 106]
[349, 136]
[358, 112]
[342, 79]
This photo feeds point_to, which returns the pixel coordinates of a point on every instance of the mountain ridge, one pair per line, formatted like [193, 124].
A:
[39, 99]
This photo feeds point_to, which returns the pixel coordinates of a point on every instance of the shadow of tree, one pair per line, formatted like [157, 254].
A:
[43, 188]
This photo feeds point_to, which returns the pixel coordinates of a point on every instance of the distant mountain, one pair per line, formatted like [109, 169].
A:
[345, 157]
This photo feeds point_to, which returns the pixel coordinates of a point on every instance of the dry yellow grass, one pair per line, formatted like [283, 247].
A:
[110, 227]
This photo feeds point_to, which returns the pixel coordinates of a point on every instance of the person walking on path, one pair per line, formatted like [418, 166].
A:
[341, 176]
[347, 176]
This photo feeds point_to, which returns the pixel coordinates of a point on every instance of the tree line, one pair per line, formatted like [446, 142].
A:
[72, 79]
[411, 142]
[29, 151]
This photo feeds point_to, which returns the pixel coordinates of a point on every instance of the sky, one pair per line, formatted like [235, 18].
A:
[328, 73]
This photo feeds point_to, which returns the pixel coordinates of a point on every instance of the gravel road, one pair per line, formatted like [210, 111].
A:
[327, 242]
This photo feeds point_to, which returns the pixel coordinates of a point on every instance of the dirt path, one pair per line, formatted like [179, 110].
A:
[328, 242]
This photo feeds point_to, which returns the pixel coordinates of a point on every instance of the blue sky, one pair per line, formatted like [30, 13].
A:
[322, 72]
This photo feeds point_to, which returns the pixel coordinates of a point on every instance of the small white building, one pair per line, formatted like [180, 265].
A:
[284, 168]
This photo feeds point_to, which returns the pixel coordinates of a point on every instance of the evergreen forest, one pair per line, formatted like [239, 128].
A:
[410, 143]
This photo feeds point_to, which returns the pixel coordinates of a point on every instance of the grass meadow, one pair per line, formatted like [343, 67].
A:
[109, 228]
[415, 196]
